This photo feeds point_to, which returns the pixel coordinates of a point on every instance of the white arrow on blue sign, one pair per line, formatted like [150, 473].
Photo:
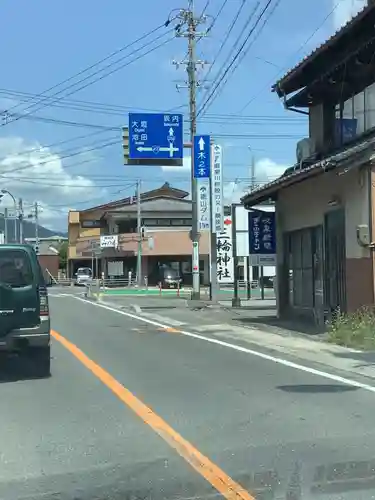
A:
[202, 156]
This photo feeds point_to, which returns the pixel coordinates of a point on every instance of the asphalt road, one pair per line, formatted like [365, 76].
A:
[132, 411]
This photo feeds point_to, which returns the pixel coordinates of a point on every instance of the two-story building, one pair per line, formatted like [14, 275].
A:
[166, 215]
[325, 203]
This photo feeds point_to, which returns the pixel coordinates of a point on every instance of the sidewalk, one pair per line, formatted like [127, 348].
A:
[246, 327]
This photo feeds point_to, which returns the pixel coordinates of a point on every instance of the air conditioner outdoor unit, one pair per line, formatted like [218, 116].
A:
[305, 149]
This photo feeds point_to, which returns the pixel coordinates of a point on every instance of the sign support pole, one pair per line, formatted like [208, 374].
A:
[6, 225]
[236, 301]
[214, 285]
[139, 231]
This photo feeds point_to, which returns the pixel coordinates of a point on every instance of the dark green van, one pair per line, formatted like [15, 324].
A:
[24, 311]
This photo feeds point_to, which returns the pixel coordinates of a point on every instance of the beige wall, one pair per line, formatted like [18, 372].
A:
[305, 204]
[76, 232]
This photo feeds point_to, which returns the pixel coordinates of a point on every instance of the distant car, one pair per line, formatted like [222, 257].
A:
[83, 276]
[169, 278]
[24, 310]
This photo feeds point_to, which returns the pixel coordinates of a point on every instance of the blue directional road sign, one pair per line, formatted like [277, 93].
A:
[156, 136]
[202, 156]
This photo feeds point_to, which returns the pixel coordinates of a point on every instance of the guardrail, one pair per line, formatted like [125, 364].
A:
[245, 289]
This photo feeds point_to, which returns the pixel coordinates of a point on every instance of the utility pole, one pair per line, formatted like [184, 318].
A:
[20, 218]
[36, 219]
[187, 19]
[139, 231]
[6, 225]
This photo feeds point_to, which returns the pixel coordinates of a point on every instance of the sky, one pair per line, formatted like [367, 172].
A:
[62, 113]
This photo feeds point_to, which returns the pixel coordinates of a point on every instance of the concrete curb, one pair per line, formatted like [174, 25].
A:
[136, 308]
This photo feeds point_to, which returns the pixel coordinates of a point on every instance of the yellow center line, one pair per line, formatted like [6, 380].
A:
[223, 483]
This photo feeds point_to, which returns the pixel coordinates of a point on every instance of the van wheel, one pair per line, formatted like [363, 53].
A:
[41, 359]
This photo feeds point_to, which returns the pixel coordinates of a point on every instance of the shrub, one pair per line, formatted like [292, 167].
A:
[353, 329]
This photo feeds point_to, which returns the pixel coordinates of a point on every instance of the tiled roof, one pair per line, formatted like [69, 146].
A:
[166, 189]
[324, 46]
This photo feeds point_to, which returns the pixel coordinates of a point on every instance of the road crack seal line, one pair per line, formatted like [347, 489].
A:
[224, 484]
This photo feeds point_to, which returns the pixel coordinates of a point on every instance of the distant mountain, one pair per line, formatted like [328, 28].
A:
[28, 230]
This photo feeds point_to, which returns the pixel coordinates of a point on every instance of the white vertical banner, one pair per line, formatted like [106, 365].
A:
[217, 190]
[204, 223]
[224, 248]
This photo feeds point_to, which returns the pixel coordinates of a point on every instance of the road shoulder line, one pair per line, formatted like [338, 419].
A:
[239, 348]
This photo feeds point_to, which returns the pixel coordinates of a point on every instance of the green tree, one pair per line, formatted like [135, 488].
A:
[63, 254]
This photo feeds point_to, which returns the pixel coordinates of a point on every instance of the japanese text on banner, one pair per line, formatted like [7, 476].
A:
[262, 233]
[217, 191]
[224, 248]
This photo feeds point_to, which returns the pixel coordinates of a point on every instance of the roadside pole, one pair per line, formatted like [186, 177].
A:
[214, 288]
[236, 301]
[36, 216]
[139, 231]
[6, 225]
[20, 218]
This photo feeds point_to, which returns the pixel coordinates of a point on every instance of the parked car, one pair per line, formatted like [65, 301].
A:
[24, 310]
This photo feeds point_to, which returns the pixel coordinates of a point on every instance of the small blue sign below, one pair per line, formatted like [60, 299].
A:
[262, 233]
[202, 157]
[156, 136]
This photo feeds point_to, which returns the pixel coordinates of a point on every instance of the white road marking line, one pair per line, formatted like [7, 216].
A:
[268, 357]
[59, 295]
[158, 318]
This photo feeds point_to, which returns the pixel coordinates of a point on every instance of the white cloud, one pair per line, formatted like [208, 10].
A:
[33, 172]
[345, 10]
[266, 170]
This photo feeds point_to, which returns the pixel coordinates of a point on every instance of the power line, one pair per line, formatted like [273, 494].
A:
[284, 68]
[219, 12]
[17, 116]
[245, 52]
[218, 76]
[213, 121]
[101, 77]
[92, 66]
[226, 37]
[78, 105]
[55, 144]
[95, 148]
[216, 86]
[119, 110]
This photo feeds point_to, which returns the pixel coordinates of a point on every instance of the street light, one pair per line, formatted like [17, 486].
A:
[3, 192]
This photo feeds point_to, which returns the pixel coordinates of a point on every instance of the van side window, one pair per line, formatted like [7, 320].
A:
[15, 268]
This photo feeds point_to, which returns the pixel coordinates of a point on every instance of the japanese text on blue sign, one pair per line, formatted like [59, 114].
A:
[153, 135]
[262, 233]
[202, 156]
